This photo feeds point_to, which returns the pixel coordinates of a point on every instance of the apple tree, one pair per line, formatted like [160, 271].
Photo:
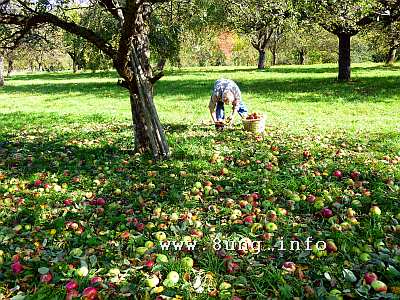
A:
[128, 49]
[344, 18]
[258, 19]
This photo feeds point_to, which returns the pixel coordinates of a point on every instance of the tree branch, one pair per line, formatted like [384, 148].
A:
[42, 18]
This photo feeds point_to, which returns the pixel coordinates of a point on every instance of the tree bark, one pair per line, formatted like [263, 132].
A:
[391, 56]
[261, 59]
[344, 57]
[273, 51]
[302, 57]
[149, 134]
[10, 68]
[1, 72]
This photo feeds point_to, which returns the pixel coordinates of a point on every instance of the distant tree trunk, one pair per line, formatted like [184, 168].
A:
[161, 63]
[261, 59]
[10, 69]
[260, 42]
[274, 55]
[1, 72]
[344, 57]
[391, 56]
[302, 57]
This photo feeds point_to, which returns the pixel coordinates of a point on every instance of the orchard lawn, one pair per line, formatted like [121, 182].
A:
[80, 214]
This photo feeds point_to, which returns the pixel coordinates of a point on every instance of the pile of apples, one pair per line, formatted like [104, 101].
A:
[254, 116]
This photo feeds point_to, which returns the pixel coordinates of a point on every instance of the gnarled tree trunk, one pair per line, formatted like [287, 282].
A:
[344, 56]
[261, 59]
[1, 71]
[391, 56]
[260, 42]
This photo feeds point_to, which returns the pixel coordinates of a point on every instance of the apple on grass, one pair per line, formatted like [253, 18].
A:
[89, 293]
[370, 277]
[46, 278]
[187, 262]
[71, 285]
[152, 281]
[379, 286]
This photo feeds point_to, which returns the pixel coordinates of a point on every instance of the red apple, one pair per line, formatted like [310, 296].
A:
[337, 174]
[89, 293]
[354, 175]
[68, 202]
[71, 285]
[331, 247]
[16, 267]
[96, 280]
[306, 154]
[100, 201]
[37, 183]
[149, 264]
[46, 278]
[311, 198]
[370, 277]
[326, 212]
[289, 266]
[248, 220]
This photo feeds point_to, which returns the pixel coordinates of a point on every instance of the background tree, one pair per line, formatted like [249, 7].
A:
[128, 49]
[260, 20]
[345, 18]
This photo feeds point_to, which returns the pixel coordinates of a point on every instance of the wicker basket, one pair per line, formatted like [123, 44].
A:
[255, 125]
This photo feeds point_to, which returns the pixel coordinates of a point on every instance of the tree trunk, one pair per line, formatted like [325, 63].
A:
[149, 134]
[10, 69]
[261, 59]
[273, 52]
[344, 57]
[1, 72]
[302, 58]
[161, 63]
[74, 66]
[391, 57]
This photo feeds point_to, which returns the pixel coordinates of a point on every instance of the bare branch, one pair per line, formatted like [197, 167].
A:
[42, 18]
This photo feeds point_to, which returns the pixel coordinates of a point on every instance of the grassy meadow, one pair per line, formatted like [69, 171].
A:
[327, 167]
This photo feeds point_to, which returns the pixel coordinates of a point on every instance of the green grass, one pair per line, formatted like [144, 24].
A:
[61, 127]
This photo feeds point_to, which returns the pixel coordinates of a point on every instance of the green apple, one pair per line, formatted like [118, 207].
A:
[141, 250]
[160, 236]
[161, 258]
[225, 286]
[187, 262]
[117, 192]
[375, 211]
[149, 244]
[198, 185]
[173, 277]
[270, 227]
[152, 281]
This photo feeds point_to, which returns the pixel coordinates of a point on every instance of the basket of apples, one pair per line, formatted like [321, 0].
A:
[254, 122]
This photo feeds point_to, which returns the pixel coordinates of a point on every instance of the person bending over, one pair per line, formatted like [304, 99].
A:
[226, 92]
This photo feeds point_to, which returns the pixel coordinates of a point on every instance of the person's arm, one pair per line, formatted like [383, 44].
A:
[212, 106]
[235, 108]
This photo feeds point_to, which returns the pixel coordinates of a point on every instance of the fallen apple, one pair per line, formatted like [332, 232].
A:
[370, 277]
[89, 293]
[379, 286]
[152, 281]
[187, 262]
[173, 276]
